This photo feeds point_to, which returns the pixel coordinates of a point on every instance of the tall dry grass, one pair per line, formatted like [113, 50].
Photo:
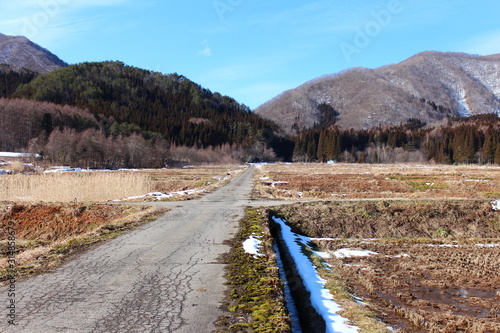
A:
[70, 187]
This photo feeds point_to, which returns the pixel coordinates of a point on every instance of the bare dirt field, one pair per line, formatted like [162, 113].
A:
[418, 258]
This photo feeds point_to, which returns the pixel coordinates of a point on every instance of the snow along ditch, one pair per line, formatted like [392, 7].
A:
[317, 310]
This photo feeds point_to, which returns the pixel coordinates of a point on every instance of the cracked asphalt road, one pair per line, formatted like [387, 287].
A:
[162, 277]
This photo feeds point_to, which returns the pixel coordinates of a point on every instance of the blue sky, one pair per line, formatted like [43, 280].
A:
[253, 50]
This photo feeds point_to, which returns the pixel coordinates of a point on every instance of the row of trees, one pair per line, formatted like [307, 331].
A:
[463, 140]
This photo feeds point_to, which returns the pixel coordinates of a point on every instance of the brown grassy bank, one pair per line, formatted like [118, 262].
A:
[46, 235]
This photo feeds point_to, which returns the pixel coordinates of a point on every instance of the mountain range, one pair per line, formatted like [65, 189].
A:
[428, 86]
[380, 114]
[19, 52]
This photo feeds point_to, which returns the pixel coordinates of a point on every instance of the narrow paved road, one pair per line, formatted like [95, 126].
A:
[163, 277]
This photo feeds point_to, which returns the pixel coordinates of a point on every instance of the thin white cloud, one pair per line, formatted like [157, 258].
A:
[50, 21]
[484, 44]
[206, 52]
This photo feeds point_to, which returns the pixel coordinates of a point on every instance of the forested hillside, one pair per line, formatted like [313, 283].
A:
[183, 112]
[428, 86]
[11, 78]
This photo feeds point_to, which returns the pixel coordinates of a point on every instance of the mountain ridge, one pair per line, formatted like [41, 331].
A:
[428, 86]
[19, 52]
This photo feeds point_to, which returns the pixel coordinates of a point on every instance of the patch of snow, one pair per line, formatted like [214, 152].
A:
[359, 300]
[274, 183]
[221, 178]
[495, 205]
[429, 184]
[403, 255]
[161, 195]
[12, 155]
[323, 255]
[252, 245]
[347, 253]
[488, 245]
[321, 298]
[264, 178]
[463, 110]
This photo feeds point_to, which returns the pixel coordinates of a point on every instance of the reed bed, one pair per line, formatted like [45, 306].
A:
[74, 187]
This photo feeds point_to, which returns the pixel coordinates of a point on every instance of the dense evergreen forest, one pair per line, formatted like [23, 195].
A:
[11, 78]
[466, 140]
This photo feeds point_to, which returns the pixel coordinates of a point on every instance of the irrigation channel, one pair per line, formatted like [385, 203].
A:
[305, 318]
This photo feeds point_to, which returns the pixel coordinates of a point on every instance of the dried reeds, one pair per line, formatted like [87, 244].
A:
[72, 187]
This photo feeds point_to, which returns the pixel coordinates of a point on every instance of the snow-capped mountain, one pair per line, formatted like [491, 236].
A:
[20, 52]
[428, 86]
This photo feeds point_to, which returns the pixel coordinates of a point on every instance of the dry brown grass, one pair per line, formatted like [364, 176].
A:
[106, 186]
[45, 235]
[67, 187]
[455, 220]
[368, 181]
[434, 288]
[172, 180]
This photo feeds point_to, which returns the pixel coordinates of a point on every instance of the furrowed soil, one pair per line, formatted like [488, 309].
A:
[436, 267]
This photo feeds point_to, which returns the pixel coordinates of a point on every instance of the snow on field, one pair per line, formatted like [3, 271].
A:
[347, 253]
[161, 195]
[12, 155]
[252, 244]
[495, 205]
[321, 298]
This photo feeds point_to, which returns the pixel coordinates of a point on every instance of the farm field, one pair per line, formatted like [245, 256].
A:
[420, 258]
[367, 181]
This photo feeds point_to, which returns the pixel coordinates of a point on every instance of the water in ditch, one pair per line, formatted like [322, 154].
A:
[290, 303]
